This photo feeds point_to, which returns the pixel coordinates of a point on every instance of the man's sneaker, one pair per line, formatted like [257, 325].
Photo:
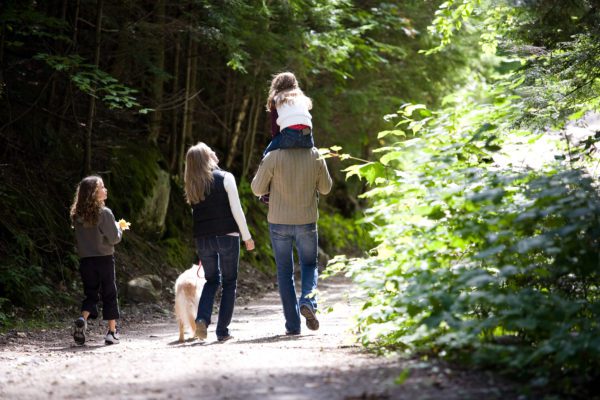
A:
[111, 337]
[201, 332]
[307, 312]
[79, 328]
[292, 333]
[224, 338]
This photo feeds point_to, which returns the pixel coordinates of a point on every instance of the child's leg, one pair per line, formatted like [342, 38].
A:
[274, 145]
[110, 307]
[91, 286]
[291, 138]
[112, 325]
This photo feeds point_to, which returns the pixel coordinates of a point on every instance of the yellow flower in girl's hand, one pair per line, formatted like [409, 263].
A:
[124, 225]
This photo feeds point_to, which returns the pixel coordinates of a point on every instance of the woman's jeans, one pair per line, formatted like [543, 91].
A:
[291, 138]
[219, 256]
[282, 240]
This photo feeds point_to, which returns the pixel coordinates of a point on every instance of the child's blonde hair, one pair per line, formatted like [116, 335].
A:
[200, 161]
[86, 207]
[284, 89]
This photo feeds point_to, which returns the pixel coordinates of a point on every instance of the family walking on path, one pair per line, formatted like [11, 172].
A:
[259, 364]
[289, 179]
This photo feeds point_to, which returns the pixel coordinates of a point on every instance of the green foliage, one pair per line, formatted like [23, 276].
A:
[478, 260]
[22, 21]
[450, 17]
[355, 59]
[24, 285]
[91, 80]
[33, 270]
[178, 253]
[341, 235]
[133, 170]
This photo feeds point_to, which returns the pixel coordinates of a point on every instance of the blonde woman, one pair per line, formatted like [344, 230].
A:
[218, 222]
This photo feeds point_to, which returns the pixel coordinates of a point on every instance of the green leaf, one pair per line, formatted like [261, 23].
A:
[391, 156]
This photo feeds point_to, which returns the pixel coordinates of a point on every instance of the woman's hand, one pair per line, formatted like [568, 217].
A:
[249, 244]
[124, 225]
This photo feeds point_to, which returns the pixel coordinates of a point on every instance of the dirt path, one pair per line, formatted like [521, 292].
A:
[259, 363]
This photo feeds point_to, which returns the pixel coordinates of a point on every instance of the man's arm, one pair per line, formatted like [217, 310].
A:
[262, 180]
[324, 181]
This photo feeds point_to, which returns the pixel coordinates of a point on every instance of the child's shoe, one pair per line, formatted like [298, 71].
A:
[264, 199]
[111, 337]
[79, 328]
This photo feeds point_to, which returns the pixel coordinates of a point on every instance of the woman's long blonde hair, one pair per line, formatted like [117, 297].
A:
[284, 89]
[200, 161]
[86, 207]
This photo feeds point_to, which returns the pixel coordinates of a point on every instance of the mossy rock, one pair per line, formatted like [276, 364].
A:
[140, 187]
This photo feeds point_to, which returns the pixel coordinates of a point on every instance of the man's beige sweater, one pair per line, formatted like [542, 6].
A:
[292, 177]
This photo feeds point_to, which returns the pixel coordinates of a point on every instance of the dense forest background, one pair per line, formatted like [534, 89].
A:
[122, 89]
[461, 135]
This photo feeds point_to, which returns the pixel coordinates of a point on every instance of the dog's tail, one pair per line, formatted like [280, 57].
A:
[186, 303]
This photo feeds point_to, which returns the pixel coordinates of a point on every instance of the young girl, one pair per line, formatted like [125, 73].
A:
[218, 223]
[96, 232]
[291, 122]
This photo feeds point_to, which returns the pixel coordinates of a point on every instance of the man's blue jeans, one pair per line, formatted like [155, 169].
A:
[220, 259]
[282, 240]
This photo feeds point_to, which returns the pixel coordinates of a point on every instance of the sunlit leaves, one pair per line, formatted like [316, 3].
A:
[371, 171]
[92, 80]
[472, 252]
[450, 17]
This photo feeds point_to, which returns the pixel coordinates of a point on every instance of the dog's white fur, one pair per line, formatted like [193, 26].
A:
[188, 288]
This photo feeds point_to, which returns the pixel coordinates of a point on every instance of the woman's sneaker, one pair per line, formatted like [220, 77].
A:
[201, 330]
[111, 337]
[79, 328]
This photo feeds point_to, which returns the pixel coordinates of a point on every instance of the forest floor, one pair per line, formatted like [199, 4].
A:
[261, 362]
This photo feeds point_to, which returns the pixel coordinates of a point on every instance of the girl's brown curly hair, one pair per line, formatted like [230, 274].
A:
[86, 207]
[284, 88]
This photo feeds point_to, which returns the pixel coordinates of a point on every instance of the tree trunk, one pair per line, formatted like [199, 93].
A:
[186, 107]
[92, 106]
[60, 49]
[229, 103]
[67, 100]
[76, 23]
[250, 139]
[157, 83]
[193, 87]
[2, 30]
[237, 132]
[175, 114]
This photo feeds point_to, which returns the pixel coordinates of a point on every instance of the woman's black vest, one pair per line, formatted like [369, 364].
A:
[212, 216]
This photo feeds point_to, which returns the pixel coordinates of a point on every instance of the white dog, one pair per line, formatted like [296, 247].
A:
[188, 288]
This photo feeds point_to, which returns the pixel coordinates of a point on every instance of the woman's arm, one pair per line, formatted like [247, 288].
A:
[236, 207]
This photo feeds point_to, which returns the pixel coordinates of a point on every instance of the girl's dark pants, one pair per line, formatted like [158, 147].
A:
[98, 277]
